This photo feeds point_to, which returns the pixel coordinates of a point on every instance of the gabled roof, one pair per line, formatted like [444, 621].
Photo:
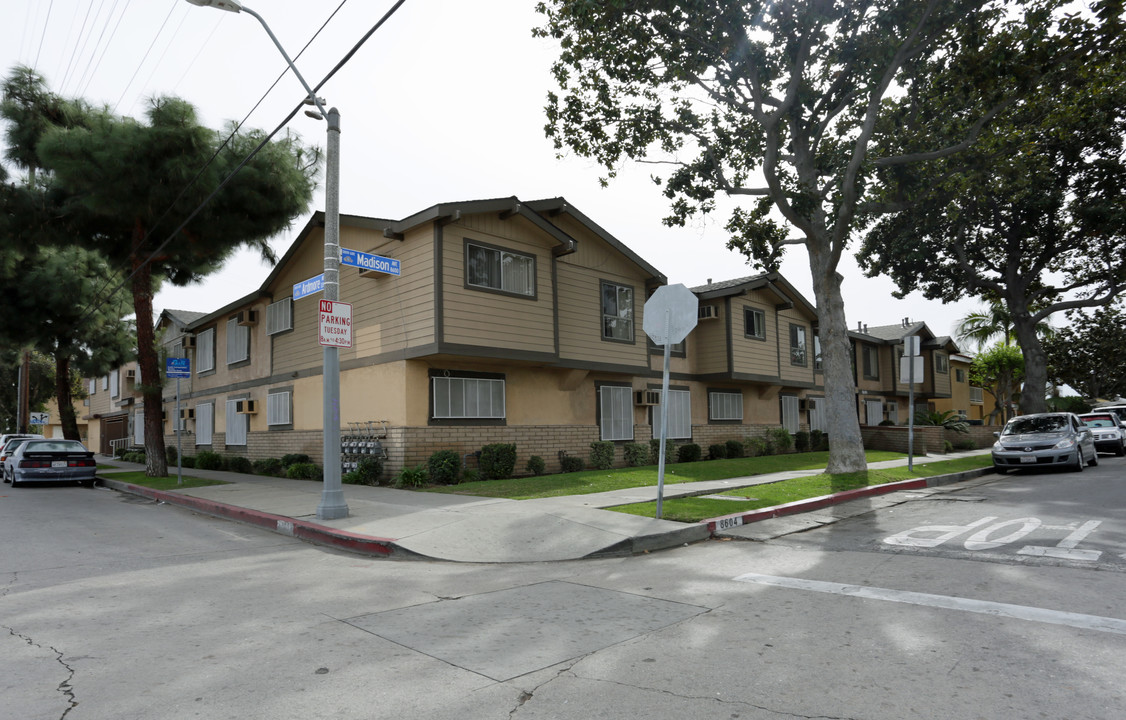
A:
[894, 334]
[773, 282]
[180, 318]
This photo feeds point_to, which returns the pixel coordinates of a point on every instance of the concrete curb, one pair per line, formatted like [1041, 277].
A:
[292, 527]
[725, 522]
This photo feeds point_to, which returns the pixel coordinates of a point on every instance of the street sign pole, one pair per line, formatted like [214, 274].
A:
[179, 447]
[664, 416]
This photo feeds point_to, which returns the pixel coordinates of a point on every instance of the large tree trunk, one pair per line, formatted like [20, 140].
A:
[1033, 395]
[67, 417]
[151, 385]
[846, 446]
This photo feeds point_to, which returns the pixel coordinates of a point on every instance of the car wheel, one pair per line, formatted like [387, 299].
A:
[1078, 466]
[1121, 448]
[1000, 470]
[1094, 461]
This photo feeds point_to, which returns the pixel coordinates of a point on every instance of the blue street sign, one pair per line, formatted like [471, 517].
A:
[367, 261]
[178, 367]
[309, 287]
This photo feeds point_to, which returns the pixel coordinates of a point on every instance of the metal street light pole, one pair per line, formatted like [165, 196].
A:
[332, 504]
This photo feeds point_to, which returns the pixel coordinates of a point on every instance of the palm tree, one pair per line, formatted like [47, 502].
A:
[994, 322]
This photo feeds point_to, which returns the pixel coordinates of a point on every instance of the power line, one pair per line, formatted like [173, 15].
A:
[82, 35]
[43, 37]
[92, 70]
[146, 56]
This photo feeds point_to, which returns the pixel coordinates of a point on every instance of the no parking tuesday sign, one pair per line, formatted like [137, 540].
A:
[336, 323]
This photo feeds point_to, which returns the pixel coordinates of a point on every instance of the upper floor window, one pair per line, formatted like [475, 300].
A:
[205, 350]
[238, 342]
[959, 375]
[797, 345]
[754, 323]
[93, 386]
[114, 383]
[871, 362]
[940, 363]
[501, 270]
[279, 316]
[617, 312]
[817, 362]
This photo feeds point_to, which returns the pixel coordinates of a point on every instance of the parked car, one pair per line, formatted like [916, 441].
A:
[1107, 429]
[1119, 410]
[1044, 440]
[9, 444]
[8, 436]
[51, 461]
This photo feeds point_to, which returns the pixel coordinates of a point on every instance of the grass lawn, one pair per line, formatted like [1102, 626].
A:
[695, 509]
[161, 483]
[594, 481]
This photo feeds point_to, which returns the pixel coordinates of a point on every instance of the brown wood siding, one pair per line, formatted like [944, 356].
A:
[758, 357]
[710, 340]
[580, 315]
[479, 317]
[795, 373]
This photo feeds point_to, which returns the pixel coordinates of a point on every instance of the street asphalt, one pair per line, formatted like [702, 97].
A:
[405, 524]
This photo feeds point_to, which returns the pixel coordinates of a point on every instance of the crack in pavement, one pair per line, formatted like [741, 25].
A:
[527, 695]
[64, 686]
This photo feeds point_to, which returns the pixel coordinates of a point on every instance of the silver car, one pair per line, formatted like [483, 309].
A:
[1107, 430]
[51, 461]
[1044, 440]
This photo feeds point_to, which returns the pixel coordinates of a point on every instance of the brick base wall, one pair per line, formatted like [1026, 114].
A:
[981, 435]
[894, 438]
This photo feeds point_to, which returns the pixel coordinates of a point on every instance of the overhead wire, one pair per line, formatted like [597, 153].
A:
[92, 70]
[199, 208]
[43, 37]
[145, 56]
[160, 59]
[78, 48]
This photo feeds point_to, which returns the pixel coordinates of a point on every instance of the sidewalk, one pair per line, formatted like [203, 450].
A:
[392, 523]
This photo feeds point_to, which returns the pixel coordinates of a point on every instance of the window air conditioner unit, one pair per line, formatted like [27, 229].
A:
[187, 414]
[246, 407]
[647, 397]
[188, 342]
[131, 374]
[249, 318]
[707, 312]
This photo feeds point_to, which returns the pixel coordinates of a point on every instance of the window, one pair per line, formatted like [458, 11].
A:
[615, 416]
[617, 312]
[205, 351]
[236, 424]
[501, 270]
[797, 344]
[139, 427]
[468, 397]
[279, 316]
[976, 395]
[278, 408]
[816, 413]
[680, 416]
[817, 364]
[114, 383]
[105, 382]
[874, 411]
[892, 408]
[754, 323]
[93, 387]
[940, 363]
[959, 375]
[204, 423]
[871, 362]
[725, 406]
[238, 342]
[790, 412]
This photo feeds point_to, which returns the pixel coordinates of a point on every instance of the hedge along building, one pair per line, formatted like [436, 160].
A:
[511, 321]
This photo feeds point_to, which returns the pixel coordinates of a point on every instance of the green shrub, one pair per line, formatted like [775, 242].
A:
[602, 454]
[470, 475]
[351, 478]
[734, 448]
[689, 453]
[443, 467]
[781, 439]
[119, 453]
[536, 466]
[239, 465]
[947, 446]
[370, 470]
[885, 423]
[170, 454]
[717, 452]
[134, 457]
[636, 454]
[816, 438]
[801, 441]
[208, 460]
[655, 451]
[497, 461]
[291, 458]
[411, 477]
[304, 471]
[571, 463]
[965, 445]
[268, 466]
[187, 461]
[756, 447]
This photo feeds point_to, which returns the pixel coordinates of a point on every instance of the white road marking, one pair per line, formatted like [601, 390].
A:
[947, 602]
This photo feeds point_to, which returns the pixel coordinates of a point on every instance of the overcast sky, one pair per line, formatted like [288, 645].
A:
[443, 104]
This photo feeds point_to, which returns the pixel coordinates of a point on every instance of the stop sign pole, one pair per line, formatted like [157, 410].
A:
[669, 316]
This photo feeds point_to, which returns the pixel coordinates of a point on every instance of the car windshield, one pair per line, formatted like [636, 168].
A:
[1098, 420]
[54, 446]
[11, 445]
[1037, 424]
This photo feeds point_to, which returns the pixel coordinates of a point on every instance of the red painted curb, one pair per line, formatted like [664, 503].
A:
[301, 529]
[799, 506]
